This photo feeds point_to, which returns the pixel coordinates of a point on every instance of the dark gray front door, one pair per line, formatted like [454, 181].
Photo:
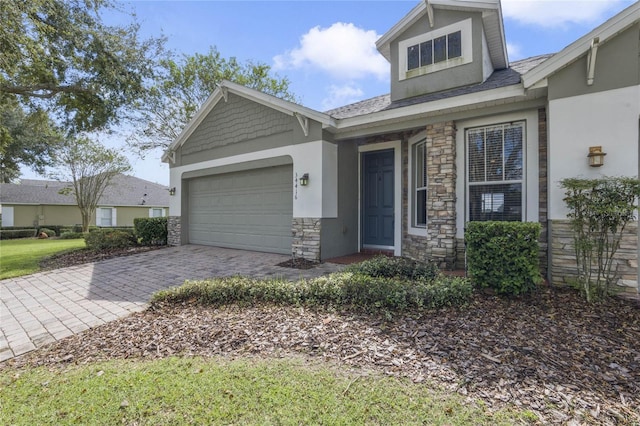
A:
[377, 198]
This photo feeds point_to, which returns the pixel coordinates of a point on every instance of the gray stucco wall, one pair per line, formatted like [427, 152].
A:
[440, 80]
[617, 66]
[239, 126]
[339, 236]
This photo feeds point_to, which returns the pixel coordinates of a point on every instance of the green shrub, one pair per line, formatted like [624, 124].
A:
[71, 235]
[385, 266]
[503, 255]
[343, 289]
[10, 234]
[50, 232]
[104, 239]
[64, 229]
[151, 230]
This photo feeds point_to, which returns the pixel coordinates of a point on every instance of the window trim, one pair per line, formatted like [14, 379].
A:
[465, 28]
[522, 181]
[411, 197]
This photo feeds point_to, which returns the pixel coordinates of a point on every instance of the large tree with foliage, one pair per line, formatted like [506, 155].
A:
[185, 84]
[60, 55]
[29, 139]
[89, 167]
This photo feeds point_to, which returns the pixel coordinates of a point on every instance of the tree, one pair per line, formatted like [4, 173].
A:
[25, 139]
[183, 86]
[59, 55]
[89, 167]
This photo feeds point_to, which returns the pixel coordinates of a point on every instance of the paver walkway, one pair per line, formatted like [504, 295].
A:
[47, 306]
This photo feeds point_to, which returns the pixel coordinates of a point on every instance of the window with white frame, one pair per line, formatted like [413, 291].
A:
[419, 184]
[443, 48]
[156, 212]
[495, 172]
[106, 216]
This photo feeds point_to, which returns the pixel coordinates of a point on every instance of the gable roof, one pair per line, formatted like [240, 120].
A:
[270, 101]
[491, 17]
[123, 191]
[575, 50]
[501, 78]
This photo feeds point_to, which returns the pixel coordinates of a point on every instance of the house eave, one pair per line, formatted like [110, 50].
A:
[369, 123]
[580, 47]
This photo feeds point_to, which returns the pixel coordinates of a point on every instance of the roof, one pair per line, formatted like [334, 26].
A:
[500, 78]
[575, 50]
[491, 17]
[123, 191]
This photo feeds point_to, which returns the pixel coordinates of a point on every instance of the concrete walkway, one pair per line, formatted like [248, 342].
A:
[48, 306]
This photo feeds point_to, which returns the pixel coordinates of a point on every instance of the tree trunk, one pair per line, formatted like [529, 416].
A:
[86, 220]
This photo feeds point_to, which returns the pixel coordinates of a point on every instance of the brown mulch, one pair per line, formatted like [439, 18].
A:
[81, 256]
[298, 264]
[549, 352]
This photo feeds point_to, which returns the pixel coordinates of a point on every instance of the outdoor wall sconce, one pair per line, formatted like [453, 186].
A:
[596, 156]
[304, 180]
[172, 191]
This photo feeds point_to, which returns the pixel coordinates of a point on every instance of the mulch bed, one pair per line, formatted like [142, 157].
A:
[298, 264]
[78, 257]
[549, 352]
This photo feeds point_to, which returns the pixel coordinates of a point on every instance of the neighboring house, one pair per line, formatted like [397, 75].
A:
[41, 203]
[464, 135]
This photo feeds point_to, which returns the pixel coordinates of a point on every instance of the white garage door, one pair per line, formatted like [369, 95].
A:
[249, 210]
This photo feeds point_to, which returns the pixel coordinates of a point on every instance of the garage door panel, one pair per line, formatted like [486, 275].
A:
[250, 210]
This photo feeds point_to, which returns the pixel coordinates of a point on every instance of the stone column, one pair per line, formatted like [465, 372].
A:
[174, 231]
[306, 238]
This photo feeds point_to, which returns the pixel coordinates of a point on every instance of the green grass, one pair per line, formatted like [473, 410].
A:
[22, 256]
[249, 391]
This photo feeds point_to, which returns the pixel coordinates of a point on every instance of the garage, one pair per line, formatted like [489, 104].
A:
[249, 210]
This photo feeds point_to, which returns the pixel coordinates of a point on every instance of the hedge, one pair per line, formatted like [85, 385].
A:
[151, 230]
[10, 234]
[503, 255]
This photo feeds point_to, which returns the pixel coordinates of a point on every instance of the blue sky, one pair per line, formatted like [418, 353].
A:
[327, 48]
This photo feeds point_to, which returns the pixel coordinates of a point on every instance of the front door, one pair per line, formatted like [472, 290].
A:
[377, 199]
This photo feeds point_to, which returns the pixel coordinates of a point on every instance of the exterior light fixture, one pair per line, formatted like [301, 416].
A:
[304, 180]
[596, 156]
[172, 191]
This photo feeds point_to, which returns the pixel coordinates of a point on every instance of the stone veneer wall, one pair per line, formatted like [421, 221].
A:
[174, 231]
[563, 261]
[440, 243]
[306, 238]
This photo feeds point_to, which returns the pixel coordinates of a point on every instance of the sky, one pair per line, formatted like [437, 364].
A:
[327, 48]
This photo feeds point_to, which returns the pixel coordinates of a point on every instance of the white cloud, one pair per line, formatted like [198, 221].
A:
[341, 95]
[344, 51]
[554, 13]
[514, 51]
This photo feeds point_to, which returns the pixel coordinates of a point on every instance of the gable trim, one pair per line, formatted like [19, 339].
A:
[575, 50]
[253, 95]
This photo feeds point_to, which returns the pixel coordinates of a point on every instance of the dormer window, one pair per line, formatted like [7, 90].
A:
[443, 48]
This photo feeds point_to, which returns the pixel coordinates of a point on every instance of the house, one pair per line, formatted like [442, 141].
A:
[44, 203]
[463, 135]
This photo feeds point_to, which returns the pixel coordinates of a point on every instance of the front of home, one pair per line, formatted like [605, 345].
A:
[41, 203]
[464, 135]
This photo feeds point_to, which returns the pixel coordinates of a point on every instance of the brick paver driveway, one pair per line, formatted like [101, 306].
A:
[47, 306]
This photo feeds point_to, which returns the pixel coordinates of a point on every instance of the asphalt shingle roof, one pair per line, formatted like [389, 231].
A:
[123, 191]
[499, 78]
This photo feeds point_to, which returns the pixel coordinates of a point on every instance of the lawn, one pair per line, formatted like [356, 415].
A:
[218, 391]
[22, 256]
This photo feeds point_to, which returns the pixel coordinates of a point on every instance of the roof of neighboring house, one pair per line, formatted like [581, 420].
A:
[501, 78]
[123, 191]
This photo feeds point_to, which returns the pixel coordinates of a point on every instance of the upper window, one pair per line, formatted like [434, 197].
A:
[433, 51]
[443, 48]
[419, 184]
[495, 172]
